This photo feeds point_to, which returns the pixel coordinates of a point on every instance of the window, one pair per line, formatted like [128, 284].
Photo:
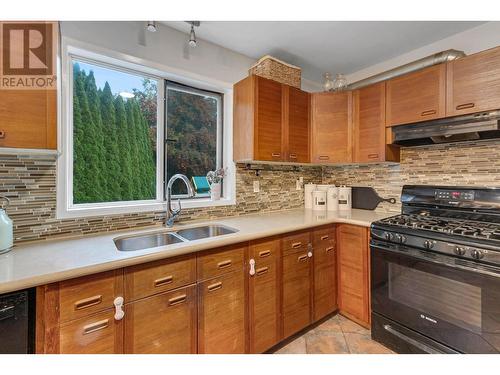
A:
[194, 136]
[127, 129]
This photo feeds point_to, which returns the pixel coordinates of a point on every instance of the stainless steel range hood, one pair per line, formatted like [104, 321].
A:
[483, 125]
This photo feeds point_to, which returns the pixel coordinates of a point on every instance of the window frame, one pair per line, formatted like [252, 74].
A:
[71, 49]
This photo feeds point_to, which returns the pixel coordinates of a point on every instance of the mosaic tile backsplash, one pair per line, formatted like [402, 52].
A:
[30, 182]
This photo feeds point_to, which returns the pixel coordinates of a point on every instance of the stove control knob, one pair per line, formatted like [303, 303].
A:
[388, 236]
[399, 238]
[477, 254]
[459, 250]
[428, 244]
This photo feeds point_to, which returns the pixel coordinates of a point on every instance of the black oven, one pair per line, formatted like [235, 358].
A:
[426, 302]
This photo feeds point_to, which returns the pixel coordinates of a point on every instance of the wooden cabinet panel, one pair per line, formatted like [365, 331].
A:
[221, 314]
[473, 83]
[369, 126]
[28, 118]
[296, 242]
[298, 125]
[147, 279]
[325, 272]
[264, 295]
[217, 262]
[162, 324]
[417, 96]
[296, 292]
[331, 127]
[268, 132]
[354, 281]
[95, 334]
[89, 294]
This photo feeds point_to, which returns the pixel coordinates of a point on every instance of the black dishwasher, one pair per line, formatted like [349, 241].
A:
[17, 322]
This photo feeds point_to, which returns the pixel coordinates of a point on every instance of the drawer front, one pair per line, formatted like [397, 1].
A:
[96, 334]
[296, 242]
[89, 294]
[264, 250]
[152, 278]
[221, 261]
[324, 236]
[162, 324]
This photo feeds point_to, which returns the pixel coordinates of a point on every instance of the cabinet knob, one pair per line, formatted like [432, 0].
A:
[2, 134]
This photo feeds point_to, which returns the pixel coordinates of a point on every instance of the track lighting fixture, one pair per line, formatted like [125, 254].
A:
[192, 35]
[151, 26]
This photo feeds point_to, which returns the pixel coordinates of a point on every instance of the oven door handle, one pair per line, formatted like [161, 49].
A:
[409, 340]
[494, 271]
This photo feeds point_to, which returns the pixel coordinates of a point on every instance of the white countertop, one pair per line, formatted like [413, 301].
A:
[43, 262]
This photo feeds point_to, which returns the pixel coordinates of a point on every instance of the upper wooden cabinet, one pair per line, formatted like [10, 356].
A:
[369, 142]
[271, 121]
[28, 119]
[417, 96]
[331, 127]
[473, 83]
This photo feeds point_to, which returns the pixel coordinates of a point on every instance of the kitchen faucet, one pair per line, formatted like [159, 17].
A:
[172, 214]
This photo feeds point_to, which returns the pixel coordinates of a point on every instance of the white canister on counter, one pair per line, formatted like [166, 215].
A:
[345, 202]
[322, 187]
[6, 229]
[319, 200]
[332, 198]
[308, 199]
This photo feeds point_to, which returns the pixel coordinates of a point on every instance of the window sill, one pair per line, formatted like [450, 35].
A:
[123, 208]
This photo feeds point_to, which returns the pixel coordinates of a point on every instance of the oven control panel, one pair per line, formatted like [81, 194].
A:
[454, 195]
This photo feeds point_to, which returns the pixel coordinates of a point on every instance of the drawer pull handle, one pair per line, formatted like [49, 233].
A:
[2, 134]
[224, 264]
[177, 300]
[372, 156]
[214, 287]
[428, 113]
[302, 258]
[324, 237]
[293, 156]
[324, 157]
[88, 302]
[264, 253]
[163, 281]
[262, 271]
[275, 154]
[97, 326]
[328, 249]
[252, 267]
[296, 245]
[465, 106]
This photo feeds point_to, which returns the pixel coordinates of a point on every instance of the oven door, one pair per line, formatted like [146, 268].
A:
[452, 301]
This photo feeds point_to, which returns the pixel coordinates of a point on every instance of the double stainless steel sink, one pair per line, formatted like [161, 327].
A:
[163, 238]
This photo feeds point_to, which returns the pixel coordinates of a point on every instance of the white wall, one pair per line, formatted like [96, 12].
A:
[470, 41]
[167, 47]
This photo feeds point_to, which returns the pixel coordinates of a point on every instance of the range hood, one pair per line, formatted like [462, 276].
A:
[477, 126]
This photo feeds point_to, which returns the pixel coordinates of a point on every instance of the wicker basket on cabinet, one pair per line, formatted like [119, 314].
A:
[277, 70]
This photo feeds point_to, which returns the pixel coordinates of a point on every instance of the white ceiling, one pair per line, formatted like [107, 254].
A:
[327, 46]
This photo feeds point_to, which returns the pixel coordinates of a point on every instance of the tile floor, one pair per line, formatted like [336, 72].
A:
[337, 335]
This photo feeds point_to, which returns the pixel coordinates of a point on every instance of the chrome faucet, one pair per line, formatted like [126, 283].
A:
[172, 214]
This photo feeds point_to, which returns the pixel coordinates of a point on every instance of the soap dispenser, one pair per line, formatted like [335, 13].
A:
[6, 229]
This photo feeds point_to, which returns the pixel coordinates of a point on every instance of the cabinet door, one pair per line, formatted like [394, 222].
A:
[296, 292]
[28, 118]
[298, 125]
[473, 83]
[269, 122]
[221, 314]
[369, 123]
[97, 334]
[354, 288]
[331, 127]
[417, 96]
[325, 272]
[264, 301]
[162, 324]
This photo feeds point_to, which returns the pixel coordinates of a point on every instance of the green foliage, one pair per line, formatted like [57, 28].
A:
[113, 155]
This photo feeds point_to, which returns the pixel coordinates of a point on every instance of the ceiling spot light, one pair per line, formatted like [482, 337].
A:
[151, 26]
[192, 35]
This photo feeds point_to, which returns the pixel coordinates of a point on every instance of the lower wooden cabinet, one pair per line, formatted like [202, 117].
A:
[296, 292]
[264, 295]
[354, 278]
[162, 324]
[221, 314]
